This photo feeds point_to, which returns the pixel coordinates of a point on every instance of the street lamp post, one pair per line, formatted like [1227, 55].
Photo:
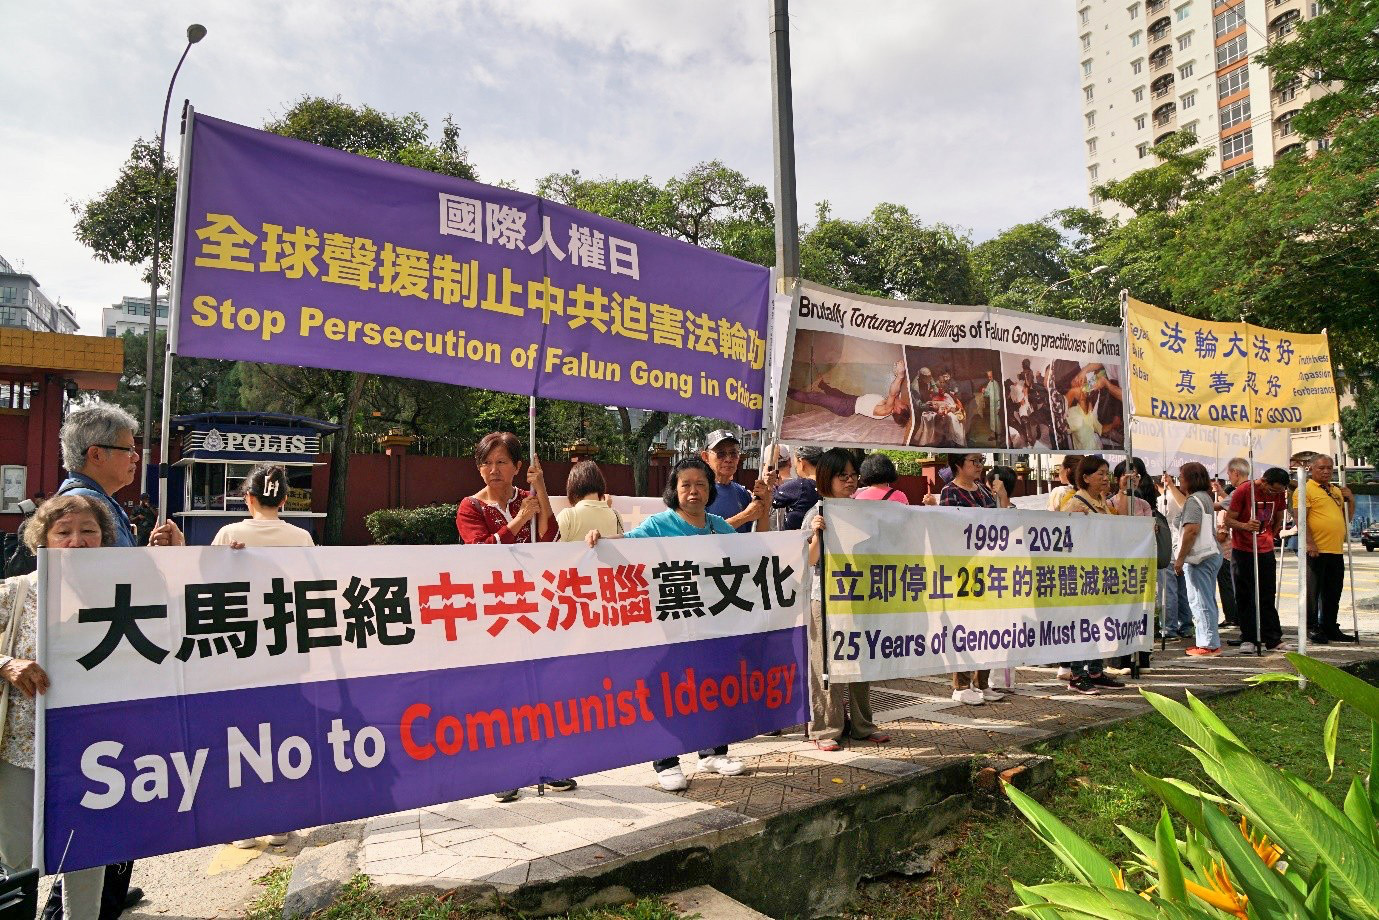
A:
[1057, 284]
[195, 32]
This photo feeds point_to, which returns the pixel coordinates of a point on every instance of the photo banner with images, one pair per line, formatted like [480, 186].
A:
[909, 591]
[202, 695]
[1165, 446]
[1231, 375]
[869, 372]
[299, 254]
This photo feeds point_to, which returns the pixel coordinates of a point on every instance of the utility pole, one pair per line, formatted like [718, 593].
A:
[783, 135]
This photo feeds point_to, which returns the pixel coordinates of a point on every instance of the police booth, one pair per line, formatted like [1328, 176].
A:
[219, 449]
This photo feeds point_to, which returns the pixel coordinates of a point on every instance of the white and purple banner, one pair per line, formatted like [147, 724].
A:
[911, 590]
[201, 695]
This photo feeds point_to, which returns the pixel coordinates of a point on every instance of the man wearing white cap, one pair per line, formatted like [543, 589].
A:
[733, 502]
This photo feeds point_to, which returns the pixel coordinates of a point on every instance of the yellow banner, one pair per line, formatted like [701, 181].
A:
[1232, 375]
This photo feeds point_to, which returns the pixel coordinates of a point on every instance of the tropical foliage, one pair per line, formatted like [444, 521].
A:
[1259, 844]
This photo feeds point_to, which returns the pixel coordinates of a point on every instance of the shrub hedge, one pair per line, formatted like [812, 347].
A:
[434, 524]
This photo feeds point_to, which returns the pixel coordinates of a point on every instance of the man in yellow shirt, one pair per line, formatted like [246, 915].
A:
[1329, 508]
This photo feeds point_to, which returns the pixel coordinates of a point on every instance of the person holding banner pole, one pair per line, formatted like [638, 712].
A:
[1326, 516]
[687, 496]
[63, 522]
[966, 490]
[732, 501]
[1093, 480]
[1255, 517]
[831, 703]
[502, 513]
[1349, 555]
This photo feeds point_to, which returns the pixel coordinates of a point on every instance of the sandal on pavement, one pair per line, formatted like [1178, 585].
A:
[827, 744]
[876, 738]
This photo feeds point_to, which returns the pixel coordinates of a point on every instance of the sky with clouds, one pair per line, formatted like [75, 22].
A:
[965, 111]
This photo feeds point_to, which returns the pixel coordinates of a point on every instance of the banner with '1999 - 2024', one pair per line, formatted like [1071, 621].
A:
[910, 591]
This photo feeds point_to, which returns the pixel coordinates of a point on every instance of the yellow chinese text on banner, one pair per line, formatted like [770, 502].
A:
[908, 591]
[1232, 375]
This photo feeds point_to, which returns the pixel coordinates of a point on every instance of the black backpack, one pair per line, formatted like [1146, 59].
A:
[1163, 539]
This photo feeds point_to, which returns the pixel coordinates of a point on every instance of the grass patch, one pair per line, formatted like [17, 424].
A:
[360, 901]
[1096, 791]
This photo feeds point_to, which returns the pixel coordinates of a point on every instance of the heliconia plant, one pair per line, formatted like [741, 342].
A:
[1261, 845]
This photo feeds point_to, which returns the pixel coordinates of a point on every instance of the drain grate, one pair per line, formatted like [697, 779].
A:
[890, 705]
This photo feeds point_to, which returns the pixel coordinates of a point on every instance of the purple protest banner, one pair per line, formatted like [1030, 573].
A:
[200, 695]
[298, 254]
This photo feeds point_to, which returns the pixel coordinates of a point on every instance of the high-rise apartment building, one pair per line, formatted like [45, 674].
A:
[1153, 67]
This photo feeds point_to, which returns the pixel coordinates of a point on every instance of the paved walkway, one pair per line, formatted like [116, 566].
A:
[621, 814]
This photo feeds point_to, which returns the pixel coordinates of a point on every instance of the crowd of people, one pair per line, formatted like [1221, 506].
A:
[1213, 539]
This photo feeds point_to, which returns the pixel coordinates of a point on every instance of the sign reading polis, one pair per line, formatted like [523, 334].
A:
[215, 441]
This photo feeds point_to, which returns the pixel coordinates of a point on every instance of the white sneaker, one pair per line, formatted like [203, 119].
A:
[249, 843]
[721, 764]
[672, 779]
[1248, 648]
[1065, 673]
[276, 840]
[991, 696]
[971, 696]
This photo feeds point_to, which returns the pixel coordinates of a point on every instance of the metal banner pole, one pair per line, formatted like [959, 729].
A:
[1254, 513]
[531, 444]
[1302, 560]
[179, 239]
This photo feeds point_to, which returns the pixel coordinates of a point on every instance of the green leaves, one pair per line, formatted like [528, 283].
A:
[1169, 865]
[1329, 732]
[1343, 686]
[1078, 855]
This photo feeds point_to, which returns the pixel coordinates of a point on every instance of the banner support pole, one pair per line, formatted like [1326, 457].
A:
[1254, 513]
[1302, 561]
[179, 238]
[1130, 453]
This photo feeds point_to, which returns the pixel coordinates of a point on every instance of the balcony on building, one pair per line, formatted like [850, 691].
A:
[1289, 92]
[1160, 58]
[1162, 86]
[1160, 29]
[1163, 137]
[1165, 115]
[1155, 6]
[1284, 25]
[1294, 147]
[1283, 126]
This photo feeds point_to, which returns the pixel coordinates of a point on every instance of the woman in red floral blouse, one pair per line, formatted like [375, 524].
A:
[500, 512]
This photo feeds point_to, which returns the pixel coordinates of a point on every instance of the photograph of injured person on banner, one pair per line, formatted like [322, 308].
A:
[847, 389]
[873, 372]
[1062, 405]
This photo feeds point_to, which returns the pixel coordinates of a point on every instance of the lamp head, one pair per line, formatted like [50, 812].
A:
[195, 32]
